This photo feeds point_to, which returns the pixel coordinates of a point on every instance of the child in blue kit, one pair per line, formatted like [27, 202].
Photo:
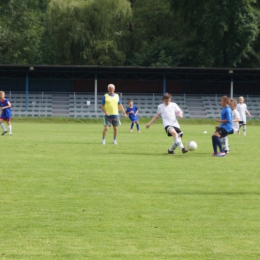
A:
[132, 112]
[224, 129]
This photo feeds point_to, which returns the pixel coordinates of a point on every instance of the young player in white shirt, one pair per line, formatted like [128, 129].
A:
[168, 111]
[235, 124]
[242, 109]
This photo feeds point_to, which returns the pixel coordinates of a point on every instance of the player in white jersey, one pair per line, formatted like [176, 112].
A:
[235, 124]
[168, 111]
[242, 109]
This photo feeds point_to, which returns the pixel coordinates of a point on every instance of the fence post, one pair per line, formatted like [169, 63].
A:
[164, 84]
[231, 84]
[74, 105]
[26, 91]
[184, 102]
[95, 92]
[42, 105]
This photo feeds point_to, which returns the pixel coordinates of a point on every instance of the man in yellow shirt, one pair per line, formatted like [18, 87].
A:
[110, 104]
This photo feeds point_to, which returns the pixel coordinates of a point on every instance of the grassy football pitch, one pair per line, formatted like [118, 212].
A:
[63, 195]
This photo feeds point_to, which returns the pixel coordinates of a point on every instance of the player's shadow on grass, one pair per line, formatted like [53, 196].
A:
[118, 153]
[159, 153]
[215, 193]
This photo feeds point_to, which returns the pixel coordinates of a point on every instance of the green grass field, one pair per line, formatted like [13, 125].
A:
[63, 195]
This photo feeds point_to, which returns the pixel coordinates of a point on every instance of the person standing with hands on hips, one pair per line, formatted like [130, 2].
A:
[109, 105]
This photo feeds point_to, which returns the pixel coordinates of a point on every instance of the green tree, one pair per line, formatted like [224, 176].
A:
[88, 32]
[21, 30]
[153, 34]
[217, 33]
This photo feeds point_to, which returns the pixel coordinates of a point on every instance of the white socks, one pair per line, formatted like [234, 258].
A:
[224, 141]
[173, 147]
[244, 129]
[9, 129]
[3, 127]
[178, 142]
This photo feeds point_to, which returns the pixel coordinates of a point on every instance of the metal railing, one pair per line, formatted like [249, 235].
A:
[84, 104]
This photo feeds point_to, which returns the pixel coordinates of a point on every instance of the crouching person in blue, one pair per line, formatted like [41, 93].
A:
[224, 129]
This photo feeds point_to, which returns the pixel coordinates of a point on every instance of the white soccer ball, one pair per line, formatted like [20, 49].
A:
[192, 146]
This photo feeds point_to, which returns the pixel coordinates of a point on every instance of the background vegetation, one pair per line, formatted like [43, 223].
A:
[204, 33]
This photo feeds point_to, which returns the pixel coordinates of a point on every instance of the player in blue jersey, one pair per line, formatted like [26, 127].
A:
[132, 112]
[224, 128]
[235, 124]
[6, 113]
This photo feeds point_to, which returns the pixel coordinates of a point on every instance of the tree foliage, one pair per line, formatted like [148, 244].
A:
[21, 30]
[205, 33]
[154, 34]
[217, 33]
[88, 32]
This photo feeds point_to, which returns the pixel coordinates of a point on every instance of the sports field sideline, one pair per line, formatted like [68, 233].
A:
[65, 196]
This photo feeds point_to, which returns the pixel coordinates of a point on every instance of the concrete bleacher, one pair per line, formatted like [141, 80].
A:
[82, 105]
[212, 106]
[38, 105]
[195, 106]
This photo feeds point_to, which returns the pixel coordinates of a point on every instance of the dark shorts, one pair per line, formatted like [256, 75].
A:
[231, 132]
[108, 121]
[178, 130]
[241, 123]
[223, 132]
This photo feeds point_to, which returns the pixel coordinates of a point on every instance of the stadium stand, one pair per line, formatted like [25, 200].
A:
[195, 106]
[212, 106]
[60, 105]
[82, 105]
[38, 105]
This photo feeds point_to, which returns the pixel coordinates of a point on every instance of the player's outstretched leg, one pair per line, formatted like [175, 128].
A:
[179, 143]
[172, 148]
